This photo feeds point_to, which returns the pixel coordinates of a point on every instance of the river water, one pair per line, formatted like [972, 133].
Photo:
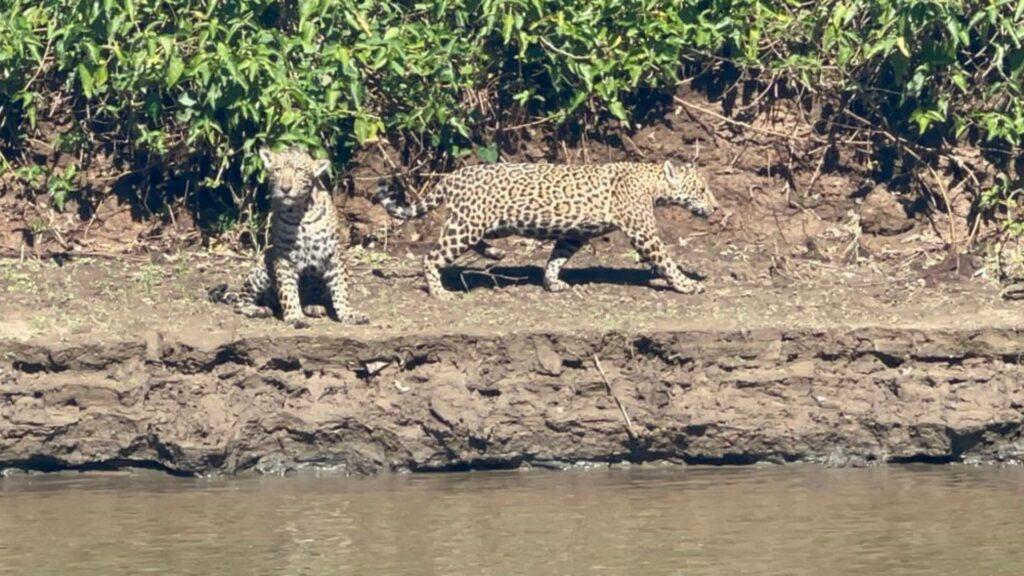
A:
[787, 520]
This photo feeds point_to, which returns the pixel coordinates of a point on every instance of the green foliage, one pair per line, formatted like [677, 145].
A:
[1004, 198]
[60, 185]
[179, 80]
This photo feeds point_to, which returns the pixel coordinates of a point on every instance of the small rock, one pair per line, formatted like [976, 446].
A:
[444, 413]
[274, 465]
[154, 346]
[550, 362]
[952, 267]
[881, 213]
[802, 369]
[359, 209]
[374, 367]
[814, 250]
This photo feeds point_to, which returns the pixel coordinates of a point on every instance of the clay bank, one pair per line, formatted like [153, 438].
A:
[844, 322]
[512, 377]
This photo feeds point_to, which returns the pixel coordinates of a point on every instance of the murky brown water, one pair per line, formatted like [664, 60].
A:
[675, 521]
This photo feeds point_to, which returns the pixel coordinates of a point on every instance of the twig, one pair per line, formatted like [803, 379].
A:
[949, 209]
[974, 233]
[625, 417]
[633, 144]
[492, 275]
[523, 126]
[565, 152]
[778, 224]
[557, 50]
[53, 255]
[817, 171]
[401, 174]
[855, 243]
[42, 64]
[745, 125]
[794, 204]
[398, 174]
[736, 158]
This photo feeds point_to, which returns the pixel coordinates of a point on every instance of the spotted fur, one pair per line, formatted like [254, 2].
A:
[567, 204]
[305, 247]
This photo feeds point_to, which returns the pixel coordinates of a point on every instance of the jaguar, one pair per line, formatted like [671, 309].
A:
[305, 258]
[569, 204]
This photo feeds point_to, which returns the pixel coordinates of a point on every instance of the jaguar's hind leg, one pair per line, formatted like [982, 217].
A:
[254, 290]
[455, 239]
[565, 248]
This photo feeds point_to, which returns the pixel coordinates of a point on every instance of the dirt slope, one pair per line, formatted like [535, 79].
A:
[106, 364]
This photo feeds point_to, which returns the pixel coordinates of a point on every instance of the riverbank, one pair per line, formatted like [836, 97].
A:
[108, 364]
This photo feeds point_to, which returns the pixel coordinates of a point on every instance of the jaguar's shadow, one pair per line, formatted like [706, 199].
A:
[462, 279]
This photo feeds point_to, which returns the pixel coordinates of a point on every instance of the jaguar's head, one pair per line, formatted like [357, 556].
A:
[292, 174]
[684, 186]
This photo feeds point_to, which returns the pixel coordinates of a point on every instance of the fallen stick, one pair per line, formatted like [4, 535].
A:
[625, 417]
[746, 125]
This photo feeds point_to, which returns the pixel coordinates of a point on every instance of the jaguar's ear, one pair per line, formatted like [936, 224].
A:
[669, 170]
[265, 155]
[322, 166]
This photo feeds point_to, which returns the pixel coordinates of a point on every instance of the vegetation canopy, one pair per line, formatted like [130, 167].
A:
[195, 87]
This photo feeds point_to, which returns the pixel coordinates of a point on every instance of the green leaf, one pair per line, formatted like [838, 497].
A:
[85, 78]
[960, 79]
[99, 77]
[506, 29]
[60, 198]
[901, 43]
[488, 154]
[175, 68]
[366, 130]
[617, 110]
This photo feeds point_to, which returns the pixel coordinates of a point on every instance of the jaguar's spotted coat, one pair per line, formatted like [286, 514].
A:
[305, 247]
[568, 204]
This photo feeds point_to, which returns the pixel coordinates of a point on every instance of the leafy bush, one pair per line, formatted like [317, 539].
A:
[173, 81]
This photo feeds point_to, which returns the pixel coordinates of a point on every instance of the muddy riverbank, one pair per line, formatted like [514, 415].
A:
[837, 327]
[504, 377]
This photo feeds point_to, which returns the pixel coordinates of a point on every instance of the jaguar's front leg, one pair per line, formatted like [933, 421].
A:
[286, 278]
[336, 279]
[643, 236]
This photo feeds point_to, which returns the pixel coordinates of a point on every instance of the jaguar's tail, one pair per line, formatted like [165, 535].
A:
[417, 209]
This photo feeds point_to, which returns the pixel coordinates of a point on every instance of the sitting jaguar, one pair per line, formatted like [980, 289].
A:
[305, 248]
[569, 204]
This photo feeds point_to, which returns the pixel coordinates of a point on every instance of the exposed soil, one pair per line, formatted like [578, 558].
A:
[108, 364]
[836, 328]
[782, 186]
